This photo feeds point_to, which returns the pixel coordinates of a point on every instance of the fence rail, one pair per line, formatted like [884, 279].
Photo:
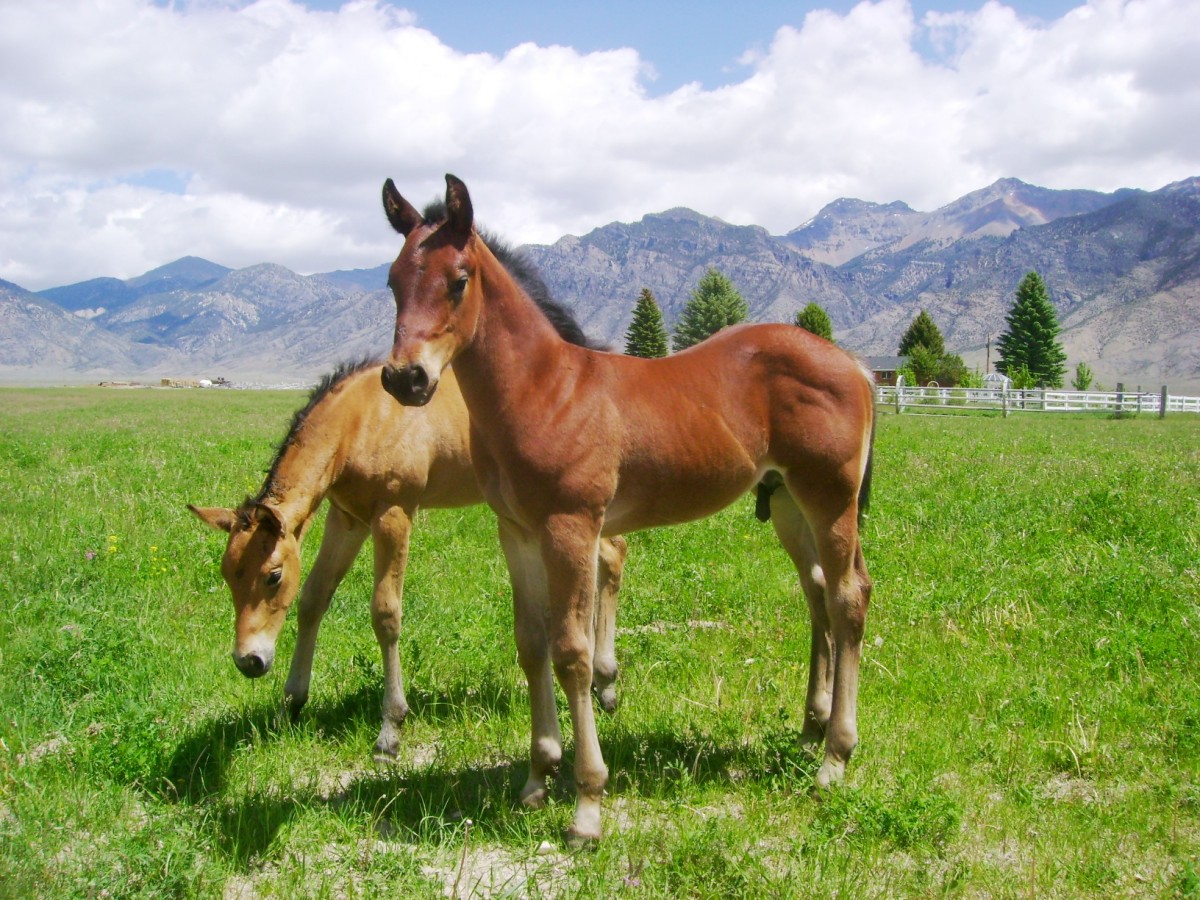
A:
[931, 400]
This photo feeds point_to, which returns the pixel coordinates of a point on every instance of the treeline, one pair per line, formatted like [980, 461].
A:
[1030, 353]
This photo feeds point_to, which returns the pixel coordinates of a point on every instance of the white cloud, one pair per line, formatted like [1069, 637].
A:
[283, 122]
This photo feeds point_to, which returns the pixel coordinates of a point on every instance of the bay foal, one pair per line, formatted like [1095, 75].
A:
[377, 463]
[571, 444]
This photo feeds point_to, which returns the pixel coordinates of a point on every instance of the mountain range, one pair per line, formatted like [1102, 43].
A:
[1123, 270]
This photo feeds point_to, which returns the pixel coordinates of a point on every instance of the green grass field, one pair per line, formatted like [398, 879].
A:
[1029, 710]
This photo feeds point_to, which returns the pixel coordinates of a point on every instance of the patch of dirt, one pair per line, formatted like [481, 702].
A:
[1063, 788]
[492, 871]
[664, 627]
[52, 746]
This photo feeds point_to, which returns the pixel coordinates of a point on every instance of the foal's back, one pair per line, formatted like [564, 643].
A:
[694, 431]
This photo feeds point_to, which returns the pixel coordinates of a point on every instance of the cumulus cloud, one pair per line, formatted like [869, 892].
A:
[137, 133]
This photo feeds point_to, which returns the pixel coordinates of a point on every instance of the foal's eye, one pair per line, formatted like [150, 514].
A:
[458, 288]
[274, 577]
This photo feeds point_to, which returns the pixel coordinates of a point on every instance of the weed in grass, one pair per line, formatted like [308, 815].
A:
[907, 815]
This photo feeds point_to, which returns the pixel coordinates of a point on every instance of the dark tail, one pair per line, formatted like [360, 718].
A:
[864, 489]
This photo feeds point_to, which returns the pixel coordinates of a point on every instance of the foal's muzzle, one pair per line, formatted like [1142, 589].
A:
[411, 385]
[253, 664]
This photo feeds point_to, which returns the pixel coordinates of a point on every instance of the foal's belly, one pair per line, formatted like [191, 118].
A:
[671, 498]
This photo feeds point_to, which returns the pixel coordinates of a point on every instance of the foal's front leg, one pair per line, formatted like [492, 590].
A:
[392, 529]
[340, 545]
[528, 578]
[569, 548]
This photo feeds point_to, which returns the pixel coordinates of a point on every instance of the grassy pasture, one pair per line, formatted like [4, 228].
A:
[1029, 710]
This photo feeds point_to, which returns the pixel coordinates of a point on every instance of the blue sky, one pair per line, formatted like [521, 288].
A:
[683, 41]
[140, 131]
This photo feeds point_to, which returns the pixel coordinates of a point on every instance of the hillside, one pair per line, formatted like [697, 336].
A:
[39, 341]
[1123, 270]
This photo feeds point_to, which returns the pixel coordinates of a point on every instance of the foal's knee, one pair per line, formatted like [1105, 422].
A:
[612, 555]
[385, 620]
[572, 659]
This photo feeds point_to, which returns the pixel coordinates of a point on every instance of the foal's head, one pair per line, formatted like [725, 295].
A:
[262, 568]
[436, 290]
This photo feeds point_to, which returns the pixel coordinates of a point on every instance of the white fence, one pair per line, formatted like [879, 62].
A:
[903, 398]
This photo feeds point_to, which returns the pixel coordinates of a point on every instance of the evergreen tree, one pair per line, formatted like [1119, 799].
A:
[1032, 336]
[647, 334]
[923, 364]
[714, 304]
[1083, 377]
[813, 318]
[923, 332]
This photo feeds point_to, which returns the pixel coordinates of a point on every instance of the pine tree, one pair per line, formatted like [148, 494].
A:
[647, 333]
[714, 304]
[923, 332]
[1083, 377]
[813, 318]
[1032, 336]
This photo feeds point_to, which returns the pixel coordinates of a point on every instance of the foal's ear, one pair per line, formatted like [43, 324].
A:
[215, 517]
[268, 517]
[400, 212]
[460, 215]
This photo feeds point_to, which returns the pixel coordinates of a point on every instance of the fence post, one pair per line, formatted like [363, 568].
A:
[1004, 399]
[1162, 403]
[1120, 399]
[899, 391]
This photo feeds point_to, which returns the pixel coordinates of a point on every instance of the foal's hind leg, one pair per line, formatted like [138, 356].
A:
[340, 545]
[797, 539]
[847, 595]
[611, 564]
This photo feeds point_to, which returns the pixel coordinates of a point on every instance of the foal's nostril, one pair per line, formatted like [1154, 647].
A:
[252, 665]
[409, 385]
[391, 380]
[418, 378]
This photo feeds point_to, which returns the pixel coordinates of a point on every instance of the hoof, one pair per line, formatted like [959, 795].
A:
[577, 840]
[829, 775]
[387, 748]
[293, 705]
[607, 697]
[810, 747]
[533, 796]
[585, 830]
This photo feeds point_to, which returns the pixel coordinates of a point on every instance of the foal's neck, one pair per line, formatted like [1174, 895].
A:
[514, 346]
[310, 461]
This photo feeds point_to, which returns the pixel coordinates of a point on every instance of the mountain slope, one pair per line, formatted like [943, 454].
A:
[37, 336]
[98, 296]
[1123, 271]
[601, 274]
[1126, 275]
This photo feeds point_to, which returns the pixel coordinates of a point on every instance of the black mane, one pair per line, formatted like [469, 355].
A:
[526, 274]
[327, 383]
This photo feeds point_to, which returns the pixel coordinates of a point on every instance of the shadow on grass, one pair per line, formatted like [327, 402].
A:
[430, 802]
[197, 767]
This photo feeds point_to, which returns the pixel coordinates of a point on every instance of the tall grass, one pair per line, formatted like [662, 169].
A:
[1029, 711]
